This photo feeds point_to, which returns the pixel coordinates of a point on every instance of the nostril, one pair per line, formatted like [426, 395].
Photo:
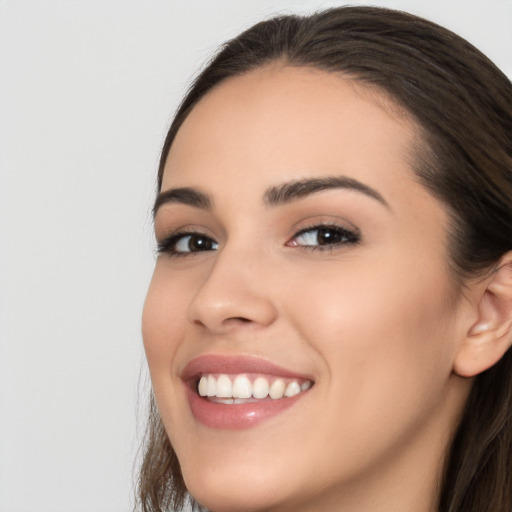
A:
[236, 320]
[227, 321]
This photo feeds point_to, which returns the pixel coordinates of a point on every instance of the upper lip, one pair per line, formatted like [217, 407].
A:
[214, 363]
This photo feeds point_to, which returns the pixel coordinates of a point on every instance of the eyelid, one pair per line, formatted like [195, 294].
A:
[327, 225]
[352, 235]
[175, 218]
[169, 233]
[181, 226]
[166, 244]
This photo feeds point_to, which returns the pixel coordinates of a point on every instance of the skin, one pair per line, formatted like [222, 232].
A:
[377, 324]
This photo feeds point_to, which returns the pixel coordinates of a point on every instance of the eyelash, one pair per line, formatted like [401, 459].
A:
[168, 245]
[349, 237]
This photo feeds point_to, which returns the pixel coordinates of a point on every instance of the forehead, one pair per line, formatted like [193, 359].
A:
[279, 122]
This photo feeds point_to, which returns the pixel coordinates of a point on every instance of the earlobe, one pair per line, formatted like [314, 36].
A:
[490, 336]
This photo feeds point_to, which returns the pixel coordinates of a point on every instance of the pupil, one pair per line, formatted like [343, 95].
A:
[199, 244]
[329, 236]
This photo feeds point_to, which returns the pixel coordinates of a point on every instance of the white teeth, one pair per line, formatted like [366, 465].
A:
[305, 386]
[225, 390]
[292, 389]
[211, 387]
[242, 387]
[224, 387]
[260, 388]
[277, 389]
[203, 386]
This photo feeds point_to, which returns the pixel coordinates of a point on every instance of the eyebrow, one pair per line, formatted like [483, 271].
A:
[291, 191]
[184, 195]
[274, 196]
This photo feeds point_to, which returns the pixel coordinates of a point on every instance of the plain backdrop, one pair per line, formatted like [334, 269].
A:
[87, 89]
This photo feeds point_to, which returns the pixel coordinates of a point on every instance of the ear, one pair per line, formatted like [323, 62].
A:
[490, 336]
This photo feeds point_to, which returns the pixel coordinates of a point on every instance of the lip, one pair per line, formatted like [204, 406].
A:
[235, 416]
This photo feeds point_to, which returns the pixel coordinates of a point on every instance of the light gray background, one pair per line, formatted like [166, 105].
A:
[86, 92]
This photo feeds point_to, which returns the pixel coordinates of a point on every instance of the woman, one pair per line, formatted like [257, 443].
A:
[329, 320]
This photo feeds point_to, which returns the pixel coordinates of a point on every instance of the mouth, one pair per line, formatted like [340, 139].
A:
[248, 388]
[240, 392]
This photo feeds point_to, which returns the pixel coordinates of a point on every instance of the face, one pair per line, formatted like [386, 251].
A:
[300, 257]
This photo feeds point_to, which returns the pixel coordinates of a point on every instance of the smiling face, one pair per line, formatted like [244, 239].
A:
[298, 247]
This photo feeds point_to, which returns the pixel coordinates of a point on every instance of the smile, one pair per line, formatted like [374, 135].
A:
[237, 392]
[237, 389]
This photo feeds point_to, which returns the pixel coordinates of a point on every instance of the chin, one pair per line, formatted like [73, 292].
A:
[231, 497]
[236, 490]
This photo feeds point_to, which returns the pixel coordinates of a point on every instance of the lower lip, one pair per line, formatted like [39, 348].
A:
[237, 416]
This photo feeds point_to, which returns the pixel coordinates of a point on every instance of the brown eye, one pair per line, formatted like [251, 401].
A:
[194, 243]
[185, 243]
[324, 236]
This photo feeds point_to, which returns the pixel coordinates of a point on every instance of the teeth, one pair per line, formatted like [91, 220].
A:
[277, 389]
[224, 387]
[305, 386]
[260, 388]
[242, 387]
[292, 389]
[211, 386]
[225, 390]
[203, 386]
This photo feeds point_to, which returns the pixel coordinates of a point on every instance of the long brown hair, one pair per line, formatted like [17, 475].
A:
[463, 104]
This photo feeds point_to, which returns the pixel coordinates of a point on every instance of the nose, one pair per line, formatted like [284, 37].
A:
[233, 294]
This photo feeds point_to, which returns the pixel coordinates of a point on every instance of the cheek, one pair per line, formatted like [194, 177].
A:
[383, 334]
[163, 321]
[385, 347]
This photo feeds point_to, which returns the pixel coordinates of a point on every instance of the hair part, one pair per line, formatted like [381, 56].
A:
[462, 104]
